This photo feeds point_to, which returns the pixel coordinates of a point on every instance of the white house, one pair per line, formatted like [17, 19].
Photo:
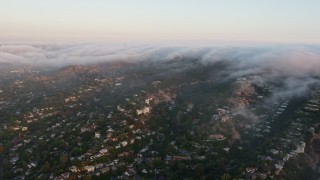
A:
[124, 143]
[89, 168]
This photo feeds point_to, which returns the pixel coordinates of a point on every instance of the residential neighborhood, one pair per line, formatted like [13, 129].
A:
[105, 124]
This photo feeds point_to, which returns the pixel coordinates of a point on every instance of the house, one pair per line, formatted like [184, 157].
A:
[215, 117]
[218, 137]
[16, 128]
[124, 122]
[225, 118]
[145, 111]
[144, 150]
[74, 169]
[124, 154]
[139, 111]
[65, 175]
[89, 168]
[109, 135]
[99, 166]
[124, 143]
[127, 174]
[226, 149]
[97, 135]
[287, 157]
[168, 158]
[85, 129]
[251, 170]
[114, 168]
[109, 116]
[138, 137]
[147, 101]
[144, 171]
[278, 166]
[26, 140]
[181, 158]
[300, 148]
[120, 109]
[274, 151]
[103, 151]
[110, 130]
[105, 170]
[200, 157]
[13, 160]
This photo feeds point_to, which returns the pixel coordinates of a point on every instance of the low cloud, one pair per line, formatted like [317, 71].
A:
[297, 66]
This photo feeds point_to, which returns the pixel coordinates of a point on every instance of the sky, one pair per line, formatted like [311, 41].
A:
[288, 21]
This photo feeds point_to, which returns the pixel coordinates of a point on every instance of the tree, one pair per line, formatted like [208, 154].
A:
[181, 168]
[199, 169]
[158, 163]
[225, 176]
[64, 159]
[87, 177]
[1, 149]
[46, 167]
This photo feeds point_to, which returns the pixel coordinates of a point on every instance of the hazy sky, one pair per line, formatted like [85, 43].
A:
[294, 21]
